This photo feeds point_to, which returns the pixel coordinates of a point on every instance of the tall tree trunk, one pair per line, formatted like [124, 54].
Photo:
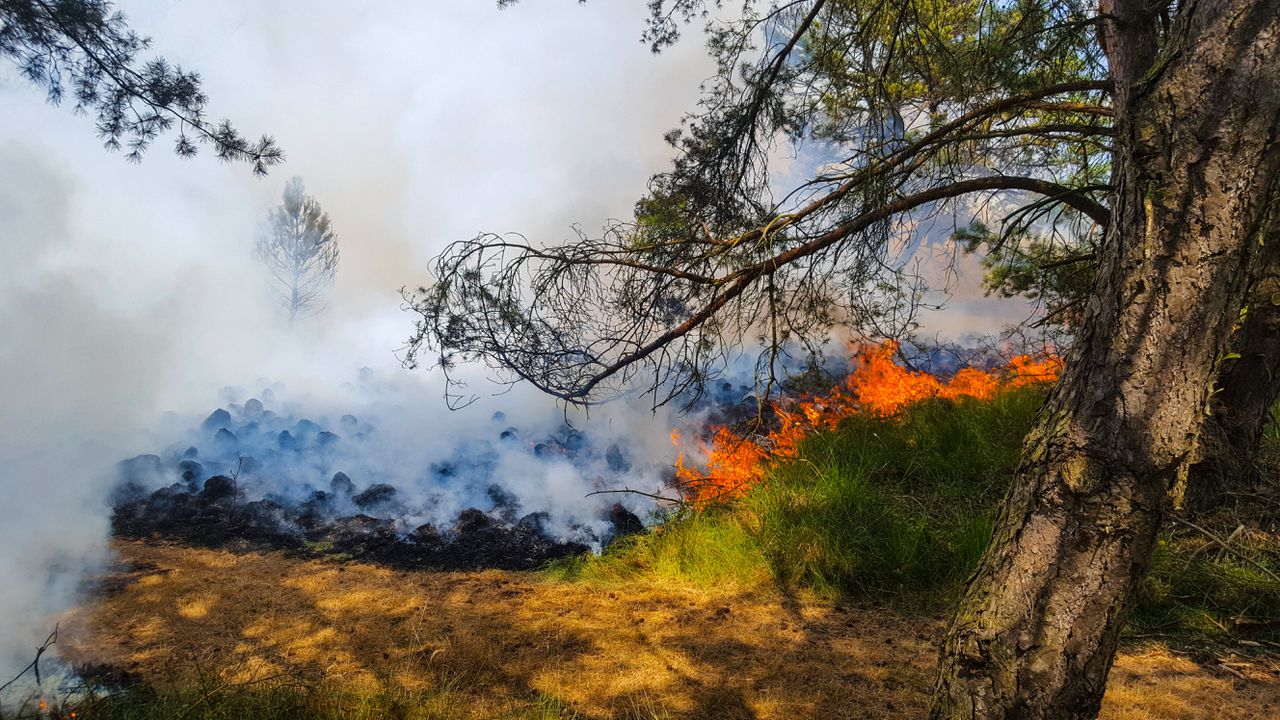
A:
[1250, 385]
[1195, 164]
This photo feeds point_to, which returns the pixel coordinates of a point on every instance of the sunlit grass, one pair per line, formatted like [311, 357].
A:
[711, 549]
[287, 700]
[892, 508]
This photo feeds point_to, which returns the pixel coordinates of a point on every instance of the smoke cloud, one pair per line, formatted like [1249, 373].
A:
[130, 292]
[129, 296]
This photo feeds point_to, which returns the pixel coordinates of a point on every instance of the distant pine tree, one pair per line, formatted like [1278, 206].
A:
[300, 251]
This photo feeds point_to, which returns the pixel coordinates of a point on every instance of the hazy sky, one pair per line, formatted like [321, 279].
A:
[128, 290]
[414, 126]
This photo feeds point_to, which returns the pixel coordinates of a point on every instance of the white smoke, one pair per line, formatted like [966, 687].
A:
[392, 431]
[126, 292]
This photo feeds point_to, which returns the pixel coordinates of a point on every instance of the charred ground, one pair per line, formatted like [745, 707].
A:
[217, 517]
[250, 478]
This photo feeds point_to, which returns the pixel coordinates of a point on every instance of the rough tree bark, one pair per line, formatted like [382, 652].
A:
[1250, 385]
[1194, 168]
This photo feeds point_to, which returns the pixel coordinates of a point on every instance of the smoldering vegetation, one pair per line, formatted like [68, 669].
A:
[384, 484]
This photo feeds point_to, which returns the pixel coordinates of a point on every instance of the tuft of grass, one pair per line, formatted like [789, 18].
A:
[892, 508]
[711, 549]
[1194, 585]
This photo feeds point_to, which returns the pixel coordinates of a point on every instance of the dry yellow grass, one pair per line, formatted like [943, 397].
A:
[499, 639]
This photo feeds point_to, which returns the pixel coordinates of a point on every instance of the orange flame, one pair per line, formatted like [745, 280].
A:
[877, 386]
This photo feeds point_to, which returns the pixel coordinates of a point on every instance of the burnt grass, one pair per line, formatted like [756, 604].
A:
[216, 516]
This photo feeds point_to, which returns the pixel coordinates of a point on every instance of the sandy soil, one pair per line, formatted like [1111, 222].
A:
[500, 638]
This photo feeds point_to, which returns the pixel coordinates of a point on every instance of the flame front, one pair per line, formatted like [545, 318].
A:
[877, 386]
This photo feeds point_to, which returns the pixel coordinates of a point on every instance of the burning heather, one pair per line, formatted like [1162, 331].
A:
[877, 385]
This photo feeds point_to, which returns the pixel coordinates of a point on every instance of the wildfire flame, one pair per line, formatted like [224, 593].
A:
[877, 386]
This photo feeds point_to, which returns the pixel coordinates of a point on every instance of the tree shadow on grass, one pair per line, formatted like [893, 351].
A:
[510, 645]
[497, 643]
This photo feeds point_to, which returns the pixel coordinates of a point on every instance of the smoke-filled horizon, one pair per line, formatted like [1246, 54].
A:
[130, 291]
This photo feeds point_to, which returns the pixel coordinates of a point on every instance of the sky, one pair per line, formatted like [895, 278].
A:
[131, 290]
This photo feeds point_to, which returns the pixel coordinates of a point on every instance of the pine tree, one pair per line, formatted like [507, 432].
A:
[300, 251]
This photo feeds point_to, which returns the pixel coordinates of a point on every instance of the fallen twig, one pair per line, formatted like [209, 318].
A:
[35, 664]
[664, 498]
[1233, 671]
[1225, 545]
[235, 489]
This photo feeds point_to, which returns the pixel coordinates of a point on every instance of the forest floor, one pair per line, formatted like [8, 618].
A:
[498, 644]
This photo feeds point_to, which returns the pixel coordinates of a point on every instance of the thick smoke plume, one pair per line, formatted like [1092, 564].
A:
[128, 292]
[386, 460]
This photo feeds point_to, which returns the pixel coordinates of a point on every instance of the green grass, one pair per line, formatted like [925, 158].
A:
[892, 508]
[1196, 587]
[713, 548]
[898, 511]
[889, 508]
